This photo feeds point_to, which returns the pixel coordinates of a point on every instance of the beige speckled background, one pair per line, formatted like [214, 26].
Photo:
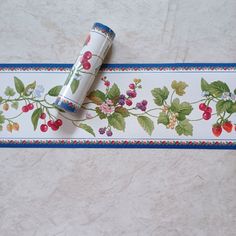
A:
[88, 192]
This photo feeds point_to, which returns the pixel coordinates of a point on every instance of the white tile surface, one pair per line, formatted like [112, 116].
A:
[87, 192]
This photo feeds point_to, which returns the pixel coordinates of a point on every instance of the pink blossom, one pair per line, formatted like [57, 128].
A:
[107, 107]
[109, 102]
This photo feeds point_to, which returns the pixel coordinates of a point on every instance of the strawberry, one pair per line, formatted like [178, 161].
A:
[227, 126]
[216, 130]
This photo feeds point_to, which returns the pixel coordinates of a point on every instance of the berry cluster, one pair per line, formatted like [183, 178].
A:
[173, 120]
[106, 82]
[227, 126]
[206, 111]
[13, 126]
[130, 94]
[105, 130]
[142, 105]
[54, 125]
[85, 60]
[27, 107]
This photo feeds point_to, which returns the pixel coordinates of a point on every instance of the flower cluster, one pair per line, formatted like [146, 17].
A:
[107, 107]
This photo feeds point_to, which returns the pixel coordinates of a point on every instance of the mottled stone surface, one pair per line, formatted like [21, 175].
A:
[87, 192]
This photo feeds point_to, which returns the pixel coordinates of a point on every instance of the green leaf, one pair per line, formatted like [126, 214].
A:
[163, 118]
[35, 117]
[97, 97]
[74, 85]
[146, 123]
[204, 85]
[179, 87]
[184, 108]
[1, 127]
[101, 115]
[114, 93]
[217, 88]
[232, 108]
[184, 128]
[116, 120]
[123, 111]
[1, 99]
[2, 119]
[29, 88]
[180, 116]
[19, 85]
[223, 106]
[9, 91]
[160, 95]
[54, 92]
[87, 128]
[15, 105]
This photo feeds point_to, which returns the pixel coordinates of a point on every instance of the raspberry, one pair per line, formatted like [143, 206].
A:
[143, 108]
[144, 102]
[132, 86]
[128, 102]
[122, 96]
[133, 94]
[122, 102]
[109, 133]
[107, 83]
[102, 130]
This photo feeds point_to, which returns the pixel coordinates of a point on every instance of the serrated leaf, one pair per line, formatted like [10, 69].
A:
[146, 123]
[217, 88]
[179, 87]
[29, 88]
[160, 95]
[123, 111]
[184, 128]
[97, 97]
[101, 115]
[204, 85]
[15, 105]
[116, 120]
[232, 108]
[20, 88]
[181, 116]
[9, 91]
[74, 85]
[35, 117]
[54, 92]
[87, 128]
[223, 106]
[184, 108]
[2, 119]
[163, 118]
[114, 93]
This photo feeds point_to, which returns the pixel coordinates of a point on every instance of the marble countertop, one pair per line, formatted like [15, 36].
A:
[87, 192]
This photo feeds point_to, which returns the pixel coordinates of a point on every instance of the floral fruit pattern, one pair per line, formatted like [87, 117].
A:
[113, 107]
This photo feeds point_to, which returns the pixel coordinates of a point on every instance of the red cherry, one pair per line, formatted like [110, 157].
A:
[202, 106]
[58, 122]
[54, 127]
[25, 108]
[44, 128]
[87, 55]
[43, 116]
[206, 115]
[30, 106]
[50, 123]
[128, 102]
[132, 86]
[208, 109]
[86, 65]
[107, 83]
[216, 130]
